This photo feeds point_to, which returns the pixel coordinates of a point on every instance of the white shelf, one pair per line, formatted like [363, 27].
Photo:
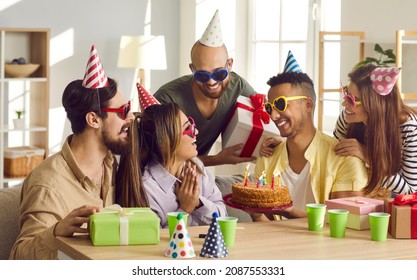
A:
[24, 79]
[32, 129]
[29, 94]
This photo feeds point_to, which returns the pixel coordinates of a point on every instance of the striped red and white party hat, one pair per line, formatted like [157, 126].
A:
[94, 74]
[145, 98]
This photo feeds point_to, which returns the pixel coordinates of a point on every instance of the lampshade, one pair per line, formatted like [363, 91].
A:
[143, 52]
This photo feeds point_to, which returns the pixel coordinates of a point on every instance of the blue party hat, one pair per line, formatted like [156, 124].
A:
[214, 246]
[291, 65]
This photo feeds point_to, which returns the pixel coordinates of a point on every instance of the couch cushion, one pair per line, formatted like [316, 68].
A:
[225, 185]
[9, 217]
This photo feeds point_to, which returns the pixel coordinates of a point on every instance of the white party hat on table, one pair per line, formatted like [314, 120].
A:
[180, 245]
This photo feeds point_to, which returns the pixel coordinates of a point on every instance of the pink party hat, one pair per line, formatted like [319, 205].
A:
[94, 74]
[180, 245]
[214, 246]
[212, 37]
[145, 98]
[384, 78]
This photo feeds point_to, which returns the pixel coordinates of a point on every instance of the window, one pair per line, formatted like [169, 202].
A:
[277, 26]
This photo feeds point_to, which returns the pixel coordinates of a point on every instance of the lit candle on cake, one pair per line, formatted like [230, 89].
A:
[273, 180]
[263, 178]
[246, 180]
[260, 181]
[245, 175]
[279, 179]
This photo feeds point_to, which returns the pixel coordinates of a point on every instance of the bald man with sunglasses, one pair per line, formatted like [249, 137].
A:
[306, 160]
[208, 95]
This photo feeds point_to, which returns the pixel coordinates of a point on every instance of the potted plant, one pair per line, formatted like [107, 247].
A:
[19, 123]
[386, 57]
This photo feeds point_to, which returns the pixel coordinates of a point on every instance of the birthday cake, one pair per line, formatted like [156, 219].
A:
[263, 196]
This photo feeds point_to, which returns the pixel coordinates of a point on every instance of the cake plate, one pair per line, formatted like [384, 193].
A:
[228, 201]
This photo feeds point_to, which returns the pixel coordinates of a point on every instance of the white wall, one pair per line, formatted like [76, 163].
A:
[76, 25]
[380, 19]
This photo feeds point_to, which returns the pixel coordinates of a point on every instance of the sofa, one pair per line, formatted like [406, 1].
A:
[9, 217]
[225, 186]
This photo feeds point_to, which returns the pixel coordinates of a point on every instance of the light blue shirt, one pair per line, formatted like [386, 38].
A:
[160, 188]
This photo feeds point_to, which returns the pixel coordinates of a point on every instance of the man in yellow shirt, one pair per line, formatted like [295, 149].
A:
[61, 193]
[306, 161]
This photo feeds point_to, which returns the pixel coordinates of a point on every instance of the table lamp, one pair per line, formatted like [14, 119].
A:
[144, 53]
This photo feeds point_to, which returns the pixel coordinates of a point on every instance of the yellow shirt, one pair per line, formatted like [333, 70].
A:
[329, 172]
[49, 193]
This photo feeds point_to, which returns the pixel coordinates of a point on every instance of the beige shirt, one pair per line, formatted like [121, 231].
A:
[50, 192]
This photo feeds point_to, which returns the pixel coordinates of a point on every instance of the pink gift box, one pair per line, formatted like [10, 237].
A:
[356, 205]
[359, 207]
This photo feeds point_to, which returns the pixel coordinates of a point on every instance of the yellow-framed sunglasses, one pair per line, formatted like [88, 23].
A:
[280, 103]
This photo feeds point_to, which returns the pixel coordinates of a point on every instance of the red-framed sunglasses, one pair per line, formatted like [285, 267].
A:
[122, 111]
[191, 129]
[349, 98]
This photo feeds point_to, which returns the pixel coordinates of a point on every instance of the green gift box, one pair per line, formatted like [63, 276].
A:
[124, 226]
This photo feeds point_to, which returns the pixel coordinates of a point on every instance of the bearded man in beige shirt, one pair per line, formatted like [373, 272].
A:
[61, 193]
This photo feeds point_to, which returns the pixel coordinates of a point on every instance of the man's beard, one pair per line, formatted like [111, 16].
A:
[223, 86]
[295, 129]
[117, 147]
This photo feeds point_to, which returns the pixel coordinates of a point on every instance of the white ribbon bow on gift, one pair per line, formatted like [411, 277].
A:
[123, 219]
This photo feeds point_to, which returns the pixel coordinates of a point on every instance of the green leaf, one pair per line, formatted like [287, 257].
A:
[371, 59]
[390, 54]
[389, 61]
[360, 63]
[378, 49]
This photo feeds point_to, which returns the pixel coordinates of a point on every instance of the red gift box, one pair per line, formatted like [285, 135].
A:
[403, 220]
[248, 124]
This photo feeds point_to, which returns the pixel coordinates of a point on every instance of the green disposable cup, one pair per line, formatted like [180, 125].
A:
[228, 228]
[379, 225]
[315, 216]
[172, 221]
[337, 222]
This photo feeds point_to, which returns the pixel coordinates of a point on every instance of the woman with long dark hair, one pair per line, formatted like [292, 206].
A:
[164, 159]
[377, 127]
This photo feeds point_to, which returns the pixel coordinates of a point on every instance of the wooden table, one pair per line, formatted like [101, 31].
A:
[275, 240]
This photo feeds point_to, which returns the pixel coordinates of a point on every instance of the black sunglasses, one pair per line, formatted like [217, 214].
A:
[124, 110]
[218, 75]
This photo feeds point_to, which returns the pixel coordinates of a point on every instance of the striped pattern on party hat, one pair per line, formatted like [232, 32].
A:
[94, 74]
[145, 98]
[291, 65]
[384, 78]
[212, 36]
